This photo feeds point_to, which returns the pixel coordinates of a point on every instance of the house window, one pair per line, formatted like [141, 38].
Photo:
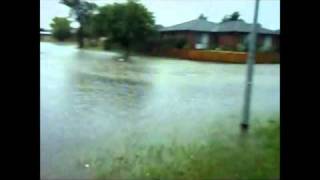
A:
[198, 38]
[246, 39]
[202, 41]
[267, 42]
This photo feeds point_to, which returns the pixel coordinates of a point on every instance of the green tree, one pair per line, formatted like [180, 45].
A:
[233, 17]
[126, 24]
[202, 17]
[61, 28]
[81, 10]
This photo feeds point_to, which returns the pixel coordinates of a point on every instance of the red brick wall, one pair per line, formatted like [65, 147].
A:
[213, 40]
[260, 39]
[275, 40]
[191, 39]
[190, 36]
[222, 39]
[230, 40]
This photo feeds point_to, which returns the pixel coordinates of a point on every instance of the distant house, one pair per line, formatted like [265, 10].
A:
[44, 34]
[203, 34]
[74, 31]
[159, 26]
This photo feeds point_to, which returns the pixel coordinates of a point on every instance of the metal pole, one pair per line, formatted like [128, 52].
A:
[250, 63]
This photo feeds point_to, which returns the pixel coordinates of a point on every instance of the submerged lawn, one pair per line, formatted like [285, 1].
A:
[255, 156]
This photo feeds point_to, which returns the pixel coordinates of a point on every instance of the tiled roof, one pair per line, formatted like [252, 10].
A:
[207, 26]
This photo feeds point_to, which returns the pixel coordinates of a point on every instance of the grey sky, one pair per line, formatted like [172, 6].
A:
[170, 12]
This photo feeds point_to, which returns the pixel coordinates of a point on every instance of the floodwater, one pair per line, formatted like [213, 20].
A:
[91, 103]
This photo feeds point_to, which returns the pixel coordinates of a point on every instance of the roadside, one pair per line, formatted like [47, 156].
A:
[255, 156]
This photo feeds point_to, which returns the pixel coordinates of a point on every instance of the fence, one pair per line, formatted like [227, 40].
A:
[219, 56]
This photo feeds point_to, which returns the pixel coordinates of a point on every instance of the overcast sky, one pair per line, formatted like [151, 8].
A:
[171, 12]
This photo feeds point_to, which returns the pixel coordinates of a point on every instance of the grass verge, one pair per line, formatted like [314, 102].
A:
[255, 156]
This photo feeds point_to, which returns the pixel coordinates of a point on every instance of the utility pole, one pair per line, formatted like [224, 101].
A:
[250, 65]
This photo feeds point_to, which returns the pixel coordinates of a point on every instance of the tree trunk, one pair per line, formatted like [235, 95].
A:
[127, 53]
[80, 37]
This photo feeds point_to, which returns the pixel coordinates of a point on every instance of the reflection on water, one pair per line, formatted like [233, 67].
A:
[92, 105]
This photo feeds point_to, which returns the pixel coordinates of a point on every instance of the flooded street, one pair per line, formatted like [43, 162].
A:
[92, 106]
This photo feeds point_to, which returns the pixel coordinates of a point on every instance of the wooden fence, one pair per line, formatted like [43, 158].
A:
[218, 56]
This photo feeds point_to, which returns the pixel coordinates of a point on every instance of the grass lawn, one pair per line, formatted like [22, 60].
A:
[255, 156]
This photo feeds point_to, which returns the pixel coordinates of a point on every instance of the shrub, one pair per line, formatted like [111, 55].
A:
[228, 48]
[187, 46]
[268, 50]
[180, 43]
[167, 43]
[241, 47]
[108, 45]
[213, 46]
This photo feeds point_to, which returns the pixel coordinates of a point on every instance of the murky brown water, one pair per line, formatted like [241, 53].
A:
[90, 103]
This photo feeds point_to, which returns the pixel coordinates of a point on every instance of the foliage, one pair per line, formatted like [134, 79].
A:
[267, 50]
[187, 46]
[235, 16]
[232, 17]
[213, 46]
[241, 47]
[181, 42]
[227, 48]
[82, 11]
[202, 17]
[166, 43]
[61, 28]
[126, 24]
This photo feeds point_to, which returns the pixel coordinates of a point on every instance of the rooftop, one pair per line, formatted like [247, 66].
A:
[240, 26]
[193, 25]
[201, 24]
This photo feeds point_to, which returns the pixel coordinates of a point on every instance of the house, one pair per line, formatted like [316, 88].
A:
[203, 34]
[45, 34]
[73, 31]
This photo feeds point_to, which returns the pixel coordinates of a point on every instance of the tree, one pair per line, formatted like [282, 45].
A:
[202, 17]
[82, 11]
[233, 17]
[61, 28]
[127, 24]
[226, 18]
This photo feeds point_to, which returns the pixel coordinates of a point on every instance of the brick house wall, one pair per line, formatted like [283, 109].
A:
[274, 40]
[222, 39]
[229, 40]
[191, 37]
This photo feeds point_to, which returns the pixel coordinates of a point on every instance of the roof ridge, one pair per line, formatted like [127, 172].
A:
[180, 23]
[191, 21]
[208, 26]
